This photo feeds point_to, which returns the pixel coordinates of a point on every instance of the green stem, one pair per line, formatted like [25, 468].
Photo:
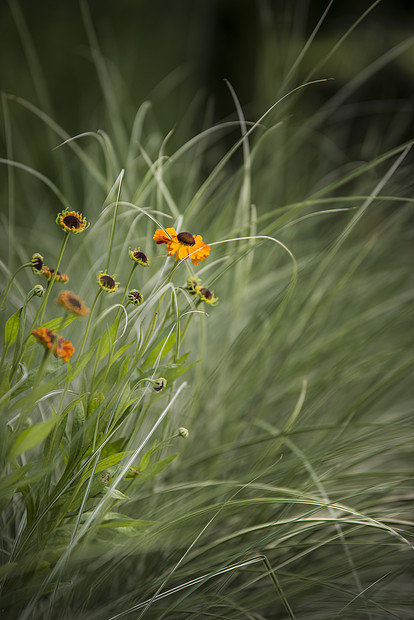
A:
[11, 282]
[49, 288]
[111, 237]
[88, 324]
[32, 399]
[151, 326]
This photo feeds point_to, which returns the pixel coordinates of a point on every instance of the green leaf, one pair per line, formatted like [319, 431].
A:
[106, 463]
[31, 437]
[162, 347]
[153, 469]
[11, 329]
[117, 519]
[81, 363]
[56, 325]
[107, 341]
[115, 493]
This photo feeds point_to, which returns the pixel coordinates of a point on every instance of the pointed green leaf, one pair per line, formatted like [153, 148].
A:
[11, 329]
[31, 437]
[162, 348]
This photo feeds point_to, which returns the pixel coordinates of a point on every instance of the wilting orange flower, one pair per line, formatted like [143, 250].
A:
[183, 245]
[72, 303]
[48, 273]
[60, 347]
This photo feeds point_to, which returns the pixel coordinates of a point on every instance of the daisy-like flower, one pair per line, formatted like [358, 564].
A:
[183, 245]
[72, 303]
[59, 346]
[135, 297]
[72, 221]
[37, 263]
[107, 282]
[139, 257]
[48, 273]
[206, 295]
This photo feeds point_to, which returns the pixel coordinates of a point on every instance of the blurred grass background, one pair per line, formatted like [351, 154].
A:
[347, 330]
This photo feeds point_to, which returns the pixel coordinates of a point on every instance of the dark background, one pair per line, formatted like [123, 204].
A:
[177, 54]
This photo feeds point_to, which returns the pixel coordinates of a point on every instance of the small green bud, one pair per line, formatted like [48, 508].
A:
[159, 384]
[39, 290]
[183, 432]
[135, 297]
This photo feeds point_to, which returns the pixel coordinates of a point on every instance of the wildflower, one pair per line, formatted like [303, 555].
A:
[183, 432]
[135, 297]
[37, 263]
[39, 290]
[71, 221]
[72, 303]
[139, 257]
[183, 245]
[59, 346]
[192, 284]
[206, 295]
[159, 384]
[48, 273]
[107, 282]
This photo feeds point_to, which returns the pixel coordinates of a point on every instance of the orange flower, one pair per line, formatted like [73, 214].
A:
[48, 273]
[183, 245]
[60, 347]
[72, 303]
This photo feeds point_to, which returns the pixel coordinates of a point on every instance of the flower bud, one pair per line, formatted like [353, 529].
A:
[159, 384]
[183, 432]
[39, 290]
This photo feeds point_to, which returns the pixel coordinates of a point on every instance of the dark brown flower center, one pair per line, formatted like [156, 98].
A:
[75, 302]
[186, 238]
[206, 293]
[37, 263]
[71, 221]
[140, 256]
[107, 281]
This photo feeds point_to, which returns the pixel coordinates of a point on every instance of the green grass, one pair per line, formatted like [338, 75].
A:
[291, 497]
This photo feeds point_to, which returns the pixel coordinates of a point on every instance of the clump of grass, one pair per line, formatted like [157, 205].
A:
[276, 344]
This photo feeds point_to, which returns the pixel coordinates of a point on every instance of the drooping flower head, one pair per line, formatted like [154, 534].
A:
[135, 297]
[107, 282]
[72, 221]
[59, 346]
[192, 284]
[72, 303]
[37, 263]
[183, 245]
[206, 295]
[139, 257]
[159, 384]
[48, 273]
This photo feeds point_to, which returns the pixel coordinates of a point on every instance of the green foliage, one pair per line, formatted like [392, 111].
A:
[292, 496]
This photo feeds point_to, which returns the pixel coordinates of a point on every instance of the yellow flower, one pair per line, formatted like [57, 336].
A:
[206, 295]
[139, 257]
[71, 221]
[183, 245]
[107, 282]
[72, 303]
[60, 347]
